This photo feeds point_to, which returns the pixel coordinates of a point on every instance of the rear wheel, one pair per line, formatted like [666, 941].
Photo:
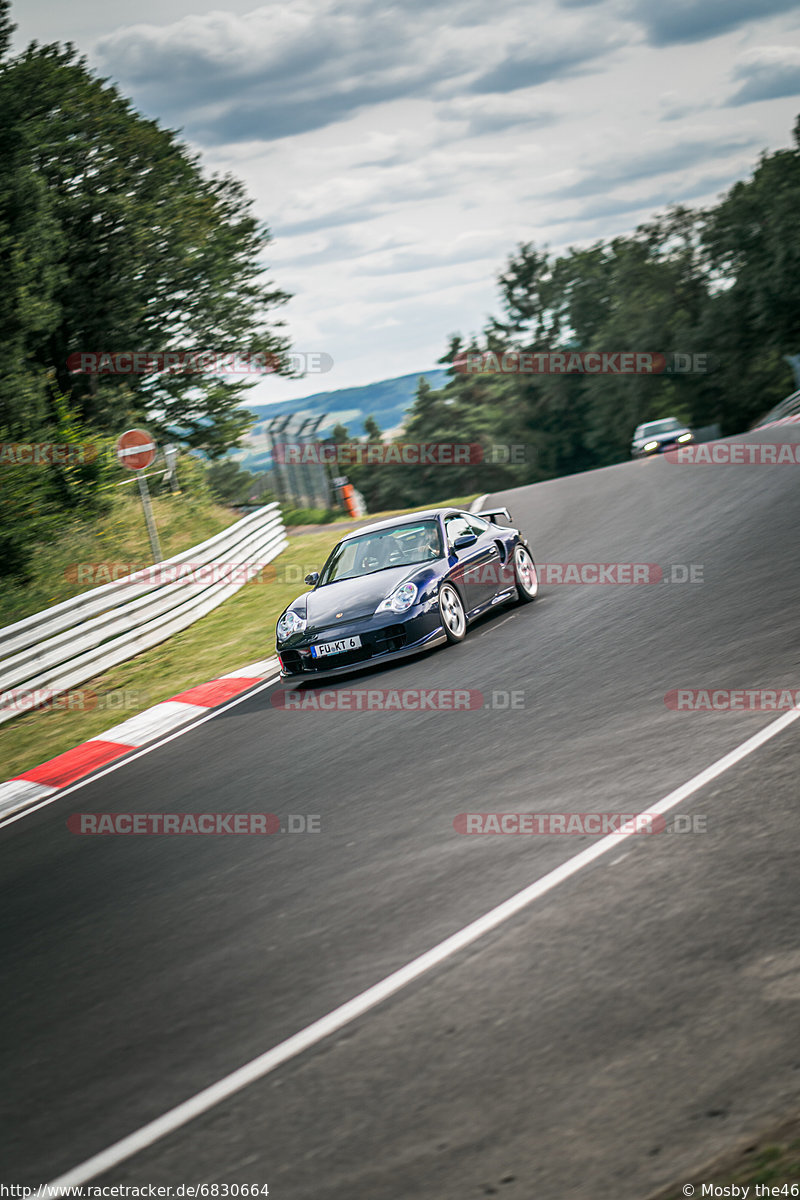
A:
[452, 613]
[525, 576]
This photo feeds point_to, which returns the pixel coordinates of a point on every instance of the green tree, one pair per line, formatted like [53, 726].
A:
[111, 238]
[152, 254]
[7, 26]
[38, 500]
[229, 483]
[752, 241]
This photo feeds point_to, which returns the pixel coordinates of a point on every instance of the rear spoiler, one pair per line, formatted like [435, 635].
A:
[491, 513]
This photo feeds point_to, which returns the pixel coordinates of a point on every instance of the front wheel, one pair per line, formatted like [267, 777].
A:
[525, 576]
[452, 613]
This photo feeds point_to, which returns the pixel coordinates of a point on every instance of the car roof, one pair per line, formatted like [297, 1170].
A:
[660, 421]
[406, 519]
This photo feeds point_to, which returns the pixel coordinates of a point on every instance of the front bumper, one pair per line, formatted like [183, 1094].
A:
[661, 448]
[383, 639]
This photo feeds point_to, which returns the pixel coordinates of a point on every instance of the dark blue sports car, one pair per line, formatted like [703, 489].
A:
[401, 586]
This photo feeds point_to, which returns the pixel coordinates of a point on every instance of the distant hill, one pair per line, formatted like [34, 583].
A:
[388, 401]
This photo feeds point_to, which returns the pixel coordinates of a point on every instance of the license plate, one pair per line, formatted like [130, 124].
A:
[337, 647]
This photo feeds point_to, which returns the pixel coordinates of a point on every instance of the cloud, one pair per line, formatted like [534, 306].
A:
[279, 70]
[675, 107]
[284, 70]
[667, 22]
[494, 114]
[659, 161]
[558, 61]
[611, 207]
[326, 219]
[316, 249]
[266, 116]
[767, 73]
[469, 248]
[680, 111]
[359, 196]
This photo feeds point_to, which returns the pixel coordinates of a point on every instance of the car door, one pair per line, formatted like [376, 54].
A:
[475, 568]
[496, 571]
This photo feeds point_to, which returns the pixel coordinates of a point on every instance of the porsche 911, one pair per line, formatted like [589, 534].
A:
[401, 586]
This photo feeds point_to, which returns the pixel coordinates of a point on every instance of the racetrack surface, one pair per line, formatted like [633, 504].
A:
[625, 1026]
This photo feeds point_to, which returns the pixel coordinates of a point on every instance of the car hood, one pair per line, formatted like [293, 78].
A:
[356, 597]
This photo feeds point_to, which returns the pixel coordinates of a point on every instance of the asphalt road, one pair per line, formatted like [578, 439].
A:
[622, 1028]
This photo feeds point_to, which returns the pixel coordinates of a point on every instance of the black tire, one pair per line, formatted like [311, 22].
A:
[451, 610]
[525, 575]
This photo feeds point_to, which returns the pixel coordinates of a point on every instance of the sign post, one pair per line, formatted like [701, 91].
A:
[171, 458]
[136, 451]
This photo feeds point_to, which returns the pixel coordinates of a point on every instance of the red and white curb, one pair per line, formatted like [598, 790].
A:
[42, 781]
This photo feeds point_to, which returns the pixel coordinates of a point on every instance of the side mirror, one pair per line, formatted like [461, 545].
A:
[466, 539]
[312, 579]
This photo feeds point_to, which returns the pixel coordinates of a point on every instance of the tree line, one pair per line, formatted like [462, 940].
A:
[716, 288]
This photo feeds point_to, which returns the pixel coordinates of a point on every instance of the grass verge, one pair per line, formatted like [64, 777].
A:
[119, 537]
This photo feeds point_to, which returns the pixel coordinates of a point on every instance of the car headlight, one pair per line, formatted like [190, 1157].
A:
[685, 437]
[291, 622]
[400, 600]
[650, 446]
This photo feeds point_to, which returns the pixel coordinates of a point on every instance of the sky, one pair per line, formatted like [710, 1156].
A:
[399, 153]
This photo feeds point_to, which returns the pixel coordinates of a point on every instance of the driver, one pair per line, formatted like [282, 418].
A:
[430, 544]
[371, 558]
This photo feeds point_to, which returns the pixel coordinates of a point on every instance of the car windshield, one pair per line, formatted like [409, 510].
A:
[396, 546]
[656, 427]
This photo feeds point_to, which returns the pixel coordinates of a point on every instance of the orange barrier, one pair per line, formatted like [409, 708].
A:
[349, 499]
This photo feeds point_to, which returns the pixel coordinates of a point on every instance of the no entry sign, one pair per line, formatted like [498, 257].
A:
[136, 449]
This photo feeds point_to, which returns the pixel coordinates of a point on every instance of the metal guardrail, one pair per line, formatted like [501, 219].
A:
[790, 407]
[71, 642]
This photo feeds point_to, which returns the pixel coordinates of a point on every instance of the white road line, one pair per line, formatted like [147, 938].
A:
[495, 625]
[336, 1020]
[123, 762]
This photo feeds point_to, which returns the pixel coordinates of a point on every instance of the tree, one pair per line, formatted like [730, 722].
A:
[752, 242]
[38, 501]
[229, 483]
[7, 27]
[111, 238]
[143, 251]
